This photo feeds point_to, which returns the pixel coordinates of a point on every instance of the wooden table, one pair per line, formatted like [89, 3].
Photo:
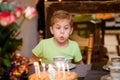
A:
[96, 73]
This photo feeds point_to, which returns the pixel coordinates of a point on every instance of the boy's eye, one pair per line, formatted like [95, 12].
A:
[66, 28]
[57, 27]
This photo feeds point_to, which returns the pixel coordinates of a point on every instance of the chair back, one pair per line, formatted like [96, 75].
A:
[85, 42]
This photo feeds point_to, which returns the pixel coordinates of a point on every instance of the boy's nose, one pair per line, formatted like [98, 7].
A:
[62, 31]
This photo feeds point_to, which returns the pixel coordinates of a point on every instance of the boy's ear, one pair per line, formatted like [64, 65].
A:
[71, 30]
[51, 29]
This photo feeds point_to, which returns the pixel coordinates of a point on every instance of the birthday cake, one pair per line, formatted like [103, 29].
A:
[60, 76]
[51, 73]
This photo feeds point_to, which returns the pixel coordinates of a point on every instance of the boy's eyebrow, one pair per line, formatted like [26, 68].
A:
[62, 15]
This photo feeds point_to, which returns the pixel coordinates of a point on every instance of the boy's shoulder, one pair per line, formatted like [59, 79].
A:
[46, 40]
[73, 42]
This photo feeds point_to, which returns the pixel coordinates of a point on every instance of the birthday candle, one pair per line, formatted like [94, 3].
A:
[44, 70]
[51, 72]
[58, 67]
[37, 69]
[68, 70]
[63, 70]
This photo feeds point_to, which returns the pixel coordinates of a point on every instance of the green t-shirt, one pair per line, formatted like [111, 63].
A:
[46, 49]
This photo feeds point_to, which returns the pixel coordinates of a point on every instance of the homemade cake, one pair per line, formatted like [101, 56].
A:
[58, 76]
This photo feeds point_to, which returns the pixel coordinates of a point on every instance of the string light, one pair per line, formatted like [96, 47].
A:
[59, 0]
[45, 0]
[36, 1]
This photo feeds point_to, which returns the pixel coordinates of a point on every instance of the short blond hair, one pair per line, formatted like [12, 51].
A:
[61, 14]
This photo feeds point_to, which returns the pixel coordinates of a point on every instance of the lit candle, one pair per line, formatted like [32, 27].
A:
[40, 61]
[63, 70]
[44, 70]
[37, 69]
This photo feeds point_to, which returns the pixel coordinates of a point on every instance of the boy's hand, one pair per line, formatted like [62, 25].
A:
[33, 59]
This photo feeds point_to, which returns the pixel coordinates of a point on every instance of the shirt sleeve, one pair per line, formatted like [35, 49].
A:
[77, 56]
[38, 50]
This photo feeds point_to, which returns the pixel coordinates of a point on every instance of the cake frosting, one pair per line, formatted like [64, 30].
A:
[58, 76]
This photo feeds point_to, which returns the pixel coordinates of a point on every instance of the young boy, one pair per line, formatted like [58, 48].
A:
[60, 44]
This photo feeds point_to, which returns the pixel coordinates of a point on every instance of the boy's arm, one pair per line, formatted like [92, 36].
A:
[80, 62]
[33, 59]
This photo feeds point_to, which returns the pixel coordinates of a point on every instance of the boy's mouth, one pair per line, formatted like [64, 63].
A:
[61, 38]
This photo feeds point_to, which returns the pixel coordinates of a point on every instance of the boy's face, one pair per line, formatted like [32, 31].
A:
[61, 30]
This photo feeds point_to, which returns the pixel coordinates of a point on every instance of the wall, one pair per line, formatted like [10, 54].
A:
[29, 31]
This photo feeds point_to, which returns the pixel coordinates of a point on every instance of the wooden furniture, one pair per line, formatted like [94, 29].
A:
[79, 7]
[85, 42]
[84, 7]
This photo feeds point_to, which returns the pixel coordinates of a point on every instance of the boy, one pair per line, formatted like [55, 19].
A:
[60, 44]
